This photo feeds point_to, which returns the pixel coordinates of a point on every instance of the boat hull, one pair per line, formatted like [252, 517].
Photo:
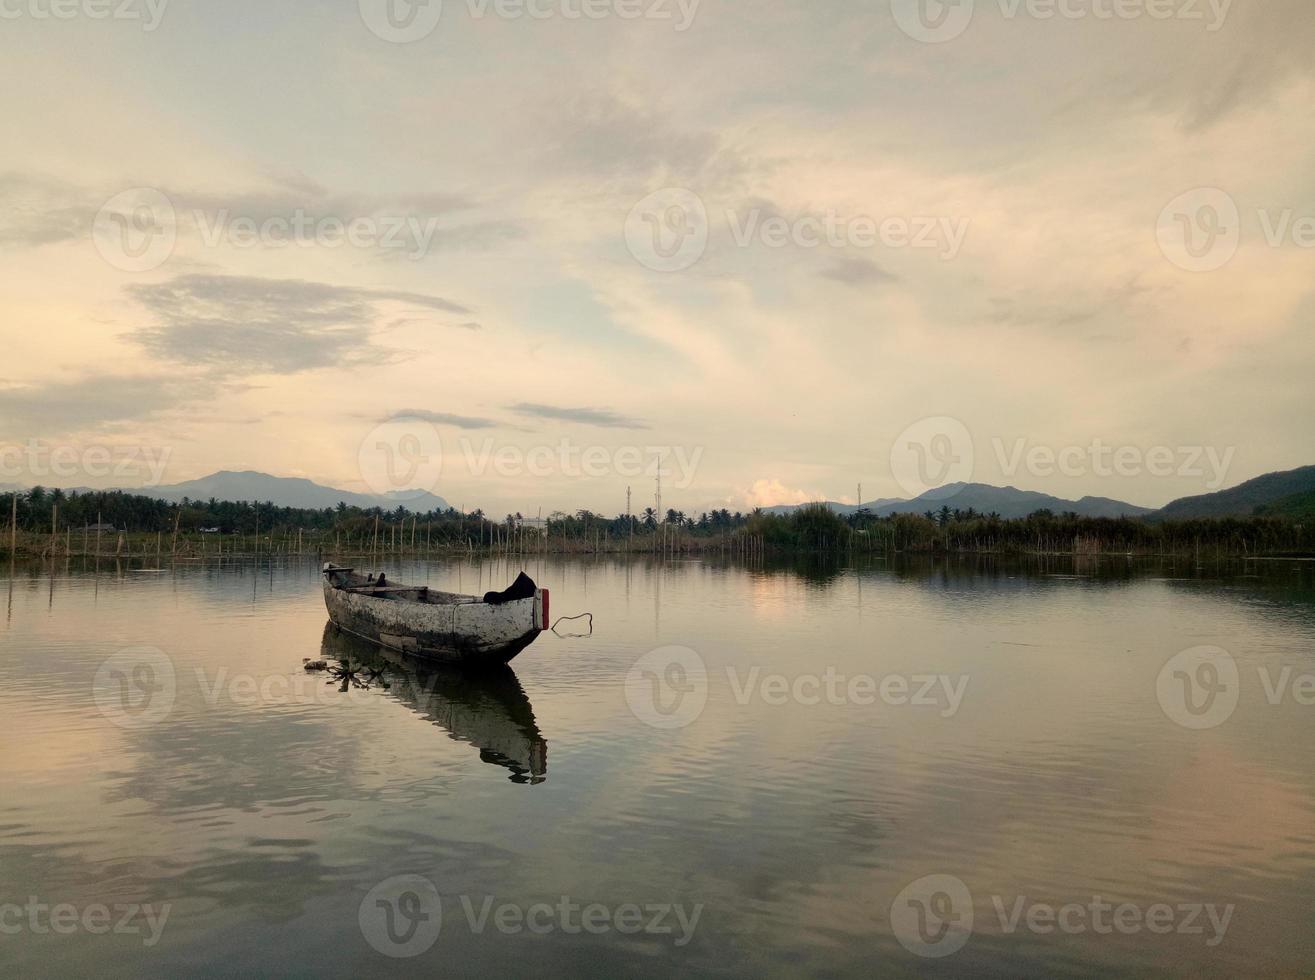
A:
[466, 631]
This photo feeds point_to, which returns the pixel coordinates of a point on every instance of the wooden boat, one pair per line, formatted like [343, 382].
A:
[442, 626]
[487, 709]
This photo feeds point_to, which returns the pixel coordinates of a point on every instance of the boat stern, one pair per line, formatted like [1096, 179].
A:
[541, 611]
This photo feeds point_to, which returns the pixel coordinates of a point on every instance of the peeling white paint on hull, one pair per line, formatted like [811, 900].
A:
[436, 625]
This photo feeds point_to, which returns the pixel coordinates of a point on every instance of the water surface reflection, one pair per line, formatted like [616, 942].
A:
[487, 708]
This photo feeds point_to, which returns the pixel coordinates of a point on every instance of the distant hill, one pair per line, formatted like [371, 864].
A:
[283, 492]
[289, 492]
[1298, 505]
[844, 510]
[1008, 502]
[1242, 501]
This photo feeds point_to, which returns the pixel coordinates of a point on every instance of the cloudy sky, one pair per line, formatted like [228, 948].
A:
[797, 244]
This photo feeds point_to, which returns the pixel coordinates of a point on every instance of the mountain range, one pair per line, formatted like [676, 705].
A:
[1273, 493]
[1008, 502]
[1290, 493]
[282, 491]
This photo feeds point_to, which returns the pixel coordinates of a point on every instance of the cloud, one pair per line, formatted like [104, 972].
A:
[856, 272]
[36, 211]
[442, 418]
[773, 493]
[251, 325]
[606, 137]
[93, 402]
[587, 416]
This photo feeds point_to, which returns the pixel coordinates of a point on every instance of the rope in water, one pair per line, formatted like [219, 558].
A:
[564, 619]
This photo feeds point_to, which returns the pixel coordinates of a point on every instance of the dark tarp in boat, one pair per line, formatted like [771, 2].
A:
[522, 588]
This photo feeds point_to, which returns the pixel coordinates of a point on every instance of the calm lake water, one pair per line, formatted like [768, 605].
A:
[957, 768]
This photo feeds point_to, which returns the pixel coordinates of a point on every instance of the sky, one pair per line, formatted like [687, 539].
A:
[525, 254]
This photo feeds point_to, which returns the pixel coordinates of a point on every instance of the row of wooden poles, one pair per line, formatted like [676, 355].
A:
[400, 540]
[396, 539]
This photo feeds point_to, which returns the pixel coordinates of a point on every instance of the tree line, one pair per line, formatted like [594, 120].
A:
[810, 528]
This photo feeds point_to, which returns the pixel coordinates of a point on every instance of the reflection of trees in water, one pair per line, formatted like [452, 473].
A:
[996, 568]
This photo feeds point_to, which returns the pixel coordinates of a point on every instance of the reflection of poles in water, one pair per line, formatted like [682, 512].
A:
[9, 613]
[487, 709]
[657, 601]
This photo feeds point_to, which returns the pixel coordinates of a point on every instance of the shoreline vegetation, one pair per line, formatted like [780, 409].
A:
[51, 524]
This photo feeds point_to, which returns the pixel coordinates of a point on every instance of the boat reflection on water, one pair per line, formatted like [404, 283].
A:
[487, 709]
